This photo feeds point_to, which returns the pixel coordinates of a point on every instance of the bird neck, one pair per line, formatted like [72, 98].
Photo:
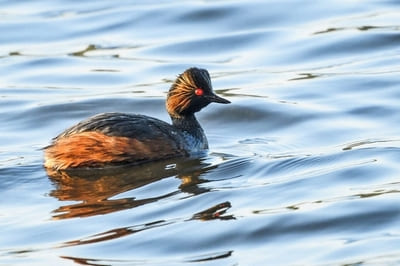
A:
[189, 125]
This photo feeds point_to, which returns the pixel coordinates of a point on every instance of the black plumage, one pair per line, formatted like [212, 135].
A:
[111, 138]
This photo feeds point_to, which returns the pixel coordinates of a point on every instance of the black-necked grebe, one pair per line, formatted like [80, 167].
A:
[117, 138]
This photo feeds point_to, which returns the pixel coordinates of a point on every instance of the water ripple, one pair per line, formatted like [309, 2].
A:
[305, 157]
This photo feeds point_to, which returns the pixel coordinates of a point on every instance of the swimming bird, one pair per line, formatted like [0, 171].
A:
[118, 138]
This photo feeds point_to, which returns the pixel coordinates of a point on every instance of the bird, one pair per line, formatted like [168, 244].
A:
[114, 138]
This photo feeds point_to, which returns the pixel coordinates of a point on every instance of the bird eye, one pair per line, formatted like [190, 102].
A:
[199, 92]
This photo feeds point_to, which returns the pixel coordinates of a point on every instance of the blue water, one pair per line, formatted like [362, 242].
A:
[303, 167]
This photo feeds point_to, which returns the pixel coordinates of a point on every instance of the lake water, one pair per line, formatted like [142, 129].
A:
[303, 166]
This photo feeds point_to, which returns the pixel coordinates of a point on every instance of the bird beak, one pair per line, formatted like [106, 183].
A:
[216, 99]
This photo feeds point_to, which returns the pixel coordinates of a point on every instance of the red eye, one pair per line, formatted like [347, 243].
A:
[199, 92]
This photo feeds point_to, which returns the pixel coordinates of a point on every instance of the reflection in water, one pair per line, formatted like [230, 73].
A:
[95, 191]
[199, 259]
[215, 212]
[84, 261]
[305, 76]
[361, 28]
[365, 143]
[94, 188]
[115, 233]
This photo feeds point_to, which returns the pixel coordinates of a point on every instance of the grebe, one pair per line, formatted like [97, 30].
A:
[117, 138]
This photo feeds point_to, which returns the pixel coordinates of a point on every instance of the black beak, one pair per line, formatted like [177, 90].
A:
[216, 99]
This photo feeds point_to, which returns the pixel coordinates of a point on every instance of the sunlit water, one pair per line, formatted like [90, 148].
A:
[304, 164]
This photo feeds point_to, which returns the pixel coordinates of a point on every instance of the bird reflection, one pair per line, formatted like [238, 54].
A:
[93, 190]
[215, 212]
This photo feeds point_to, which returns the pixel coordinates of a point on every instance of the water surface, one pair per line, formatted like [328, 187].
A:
[303, 165]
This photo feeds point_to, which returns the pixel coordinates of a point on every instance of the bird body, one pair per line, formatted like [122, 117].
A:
[118, 138]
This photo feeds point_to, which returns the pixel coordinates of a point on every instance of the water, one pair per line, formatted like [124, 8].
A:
[303, 166]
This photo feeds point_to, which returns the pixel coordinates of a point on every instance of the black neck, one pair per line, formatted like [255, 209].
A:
[189, 124]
